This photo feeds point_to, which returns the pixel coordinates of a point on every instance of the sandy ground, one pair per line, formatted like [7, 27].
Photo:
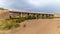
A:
[40, 26]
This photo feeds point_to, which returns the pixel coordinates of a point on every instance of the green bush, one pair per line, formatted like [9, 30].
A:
[11, 23]
[49, 17]
[14, 17]
[31, 17]
[18, 20]
[8, 24]
[22, 19]
[4, 24]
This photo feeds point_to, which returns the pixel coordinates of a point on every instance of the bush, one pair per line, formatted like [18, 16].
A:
[13, 22]
[4, 24]
[14, 17]
[8, 24]
[31, 17]
[49, 17]
[22, 19]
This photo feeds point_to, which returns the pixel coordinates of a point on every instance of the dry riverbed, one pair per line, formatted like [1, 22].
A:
[40, 26]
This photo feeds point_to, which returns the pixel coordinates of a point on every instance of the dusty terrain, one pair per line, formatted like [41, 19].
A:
[40, 26]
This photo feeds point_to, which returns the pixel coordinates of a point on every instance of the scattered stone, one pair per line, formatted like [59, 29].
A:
[58, 26]
[24, 25]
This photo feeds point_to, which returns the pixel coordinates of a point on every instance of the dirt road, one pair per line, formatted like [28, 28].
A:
[40, 26]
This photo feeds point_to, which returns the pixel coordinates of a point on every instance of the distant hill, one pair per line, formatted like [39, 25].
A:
[1, 8]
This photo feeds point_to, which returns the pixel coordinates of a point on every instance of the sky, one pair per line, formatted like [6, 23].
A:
[45, 6]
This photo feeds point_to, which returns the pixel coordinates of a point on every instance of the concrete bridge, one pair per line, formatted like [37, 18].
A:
[5, 14]
[25, 14]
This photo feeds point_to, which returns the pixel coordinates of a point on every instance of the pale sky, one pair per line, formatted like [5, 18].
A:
[46, 6]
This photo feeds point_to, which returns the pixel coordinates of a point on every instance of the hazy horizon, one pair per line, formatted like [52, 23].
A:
[45, 6]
